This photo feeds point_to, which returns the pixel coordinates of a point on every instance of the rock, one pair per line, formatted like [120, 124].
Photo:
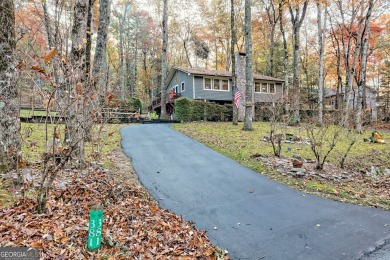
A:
[29, 177]
[48, 237]
[109, 240]
[387, 171]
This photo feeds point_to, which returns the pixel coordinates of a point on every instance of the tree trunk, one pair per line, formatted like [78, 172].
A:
[121, 55]
[321, 43]
[234, 77]
[296, 21]
[101, 45]
[273, 20]
[351, 74]
[248, 69]
[47, 25]
[285, 57]
[10, 138]
[364, 68]
[88, 37]
[79, 89]
[163, 114]
[186, 51]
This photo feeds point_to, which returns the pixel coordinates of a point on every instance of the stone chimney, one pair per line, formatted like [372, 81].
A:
[241, 81]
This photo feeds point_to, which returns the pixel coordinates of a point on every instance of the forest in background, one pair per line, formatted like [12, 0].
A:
[199, 34]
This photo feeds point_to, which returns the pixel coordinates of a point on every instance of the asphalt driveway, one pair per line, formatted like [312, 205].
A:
[245, 213]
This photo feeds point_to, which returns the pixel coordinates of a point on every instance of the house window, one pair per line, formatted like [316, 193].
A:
[264, 87]
[176, 88]
[216, 85]
[207, 83]
[182, 86]
[225, 85]
[257, 87]
[271, 88]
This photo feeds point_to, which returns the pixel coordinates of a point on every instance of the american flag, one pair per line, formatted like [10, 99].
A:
[237, 96]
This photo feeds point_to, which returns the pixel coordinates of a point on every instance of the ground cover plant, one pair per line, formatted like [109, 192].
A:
[134, 226]
[364, 180]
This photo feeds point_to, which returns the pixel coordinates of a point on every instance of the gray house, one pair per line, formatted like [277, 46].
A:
[216, 86]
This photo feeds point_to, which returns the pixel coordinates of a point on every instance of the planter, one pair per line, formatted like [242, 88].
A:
[297, 163]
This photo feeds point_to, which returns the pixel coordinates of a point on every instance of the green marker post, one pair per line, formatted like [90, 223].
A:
[95, 227]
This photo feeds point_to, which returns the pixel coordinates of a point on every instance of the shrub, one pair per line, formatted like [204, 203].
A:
[183, 109]
[197, 110]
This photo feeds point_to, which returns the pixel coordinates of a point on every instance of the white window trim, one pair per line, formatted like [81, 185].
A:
[176, 88]
[212, 84]
[182, 86]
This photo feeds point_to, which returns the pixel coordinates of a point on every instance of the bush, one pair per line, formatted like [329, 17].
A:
[196, 110]
[183, 109]
[131, 105]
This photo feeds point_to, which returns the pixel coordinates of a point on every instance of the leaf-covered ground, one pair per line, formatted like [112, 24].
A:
[365, 180]
[134, 226]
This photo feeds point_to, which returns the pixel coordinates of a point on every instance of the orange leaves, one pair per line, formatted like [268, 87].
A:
[110, 96]
[133, 224]
[49, 55]
[21, 64]
[38, 68]
[79, 88]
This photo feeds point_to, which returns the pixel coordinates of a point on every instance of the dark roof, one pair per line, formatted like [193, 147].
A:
[216, 73]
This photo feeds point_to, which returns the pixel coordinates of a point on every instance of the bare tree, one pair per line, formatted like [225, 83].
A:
[232, 47]
[321, 24]
[10, 140]
[273, 18]
[164, 59]
[248, 69]
[297, 17]
[101, 45]
[362, 81]
[350, 68]
[285, 52]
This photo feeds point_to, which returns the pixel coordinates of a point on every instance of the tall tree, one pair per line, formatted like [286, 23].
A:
[348, 34]
[9, 102]
[248, 69]
[78, 88]
[88, 37]
[273, 15]
[164, 59]
[297, 17]
[362, 81]
[321, 25]
[285, 53]
[232, 52]
[99, 61]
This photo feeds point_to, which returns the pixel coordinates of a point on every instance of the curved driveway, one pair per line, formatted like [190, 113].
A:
[246, 213]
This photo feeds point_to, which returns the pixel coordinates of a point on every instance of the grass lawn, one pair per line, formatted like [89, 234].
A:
[105, 139]
[30, 113]
[245, 147]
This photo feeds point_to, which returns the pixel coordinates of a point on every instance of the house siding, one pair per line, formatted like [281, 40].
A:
[270, 97]
[177, 79]
[217, 95]
[194, 88]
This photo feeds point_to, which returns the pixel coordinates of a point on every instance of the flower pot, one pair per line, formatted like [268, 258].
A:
[297, 163]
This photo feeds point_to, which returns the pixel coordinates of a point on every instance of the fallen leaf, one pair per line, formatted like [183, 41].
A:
[49, 55]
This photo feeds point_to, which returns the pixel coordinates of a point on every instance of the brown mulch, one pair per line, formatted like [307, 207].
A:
[134, 226]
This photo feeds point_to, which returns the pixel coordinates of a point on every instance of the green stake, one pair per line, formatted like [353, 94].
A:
[95, 227]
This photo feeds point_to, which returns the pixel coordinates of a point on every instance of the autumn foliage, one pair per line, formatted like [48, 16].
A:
[134, 226]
